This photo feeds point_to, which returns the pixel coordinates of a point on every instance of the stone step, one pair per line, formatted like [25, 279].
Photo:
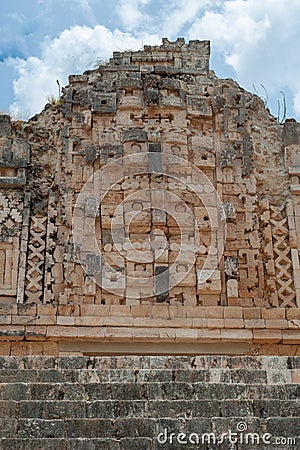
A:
[126, 391]
[113, 409]
[124, 403]
[104, 444]
[79, 444]
[245, 376]
[115, 430]
[150, 362]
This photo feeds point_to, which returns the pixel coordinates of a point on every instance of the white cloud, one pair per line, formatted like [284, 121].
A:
[180, 12]
[131, 14]
[73, 51]
[86, 7]
[258, 40]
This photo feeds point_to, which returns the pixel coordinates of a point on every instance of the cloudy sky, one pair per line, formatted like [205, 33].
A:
[253, 41]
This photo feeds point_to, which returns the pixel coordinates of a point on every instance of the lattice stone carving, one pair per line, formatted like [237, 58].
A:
[251, 274]
[282, 257]
[10, 210]
[36, 259]
[51, 246]
[4, 209]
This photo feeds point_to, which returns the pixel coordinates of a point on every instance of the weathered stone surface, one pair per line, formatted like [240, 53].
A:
[153, 211]
[34, 444]
[150, 186]
[121, 414]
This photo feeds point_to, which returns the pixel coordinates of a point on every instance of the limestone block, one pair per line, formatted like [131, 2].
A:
[161, 256]
[208, 215]
[159, 217]
[59, 253]
[89, 227]
[186, 257]
[139, 279]
[134, 147]
[110, 152]
[171, 99]
[115, 260]
[231, 265]
[131, 102]
[104, 103]
[135, 134]
[179, 149]
[202, 140]
[91, 207]
[211, 285]
[137, 256]
[229, 210]
[232, 288]
[143, 293]
[112, 299]
[197, 105]
[92, 264]
[155, 163]
[91, 152]
[57, 272]
[180, 275]
[9, 255]
[132, 301]
[111, 217]
[152, 96]
[295, 258]
[5, 126]
[292, 134]
[20, 150]
[204, 158]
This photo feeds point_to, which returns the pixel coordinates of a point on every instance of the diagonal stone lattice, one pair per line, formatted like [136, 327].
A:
[282, 253]
[35, 260]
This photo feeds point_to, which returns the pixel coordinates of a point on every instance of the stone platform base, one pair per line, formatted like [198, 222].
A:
[149, 402]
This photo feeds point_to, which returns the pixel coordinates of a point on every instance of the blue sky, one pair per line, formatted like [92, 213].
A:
[256, 43]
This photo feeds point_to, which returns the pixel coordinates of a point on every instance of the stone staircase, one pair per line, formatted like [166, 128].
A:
[153, 402]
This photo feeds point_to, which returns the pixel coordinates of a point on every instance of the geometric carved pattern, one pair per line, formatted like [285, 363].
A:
[282, 257]
[10, 211]
[36, 259]
[4, 209]
[9, 267]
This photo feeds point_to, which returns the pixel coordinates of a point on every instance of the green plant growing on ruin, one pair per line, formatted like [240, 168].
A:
[101, 62]
[283, 107]
[281, 104]
[53, 99]
[265, 97]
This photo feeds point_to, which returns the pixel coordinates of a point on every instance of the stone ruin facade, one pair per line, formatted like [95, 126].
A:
[154, 209]
[154, 203]
[155, 206]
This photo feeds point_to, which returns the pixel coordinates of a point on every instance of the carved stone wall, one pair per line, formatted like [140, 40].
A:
[156, 203]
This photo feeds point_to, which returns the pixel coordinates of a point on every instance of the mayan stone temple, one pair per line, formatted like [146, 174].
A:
[149, 263]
